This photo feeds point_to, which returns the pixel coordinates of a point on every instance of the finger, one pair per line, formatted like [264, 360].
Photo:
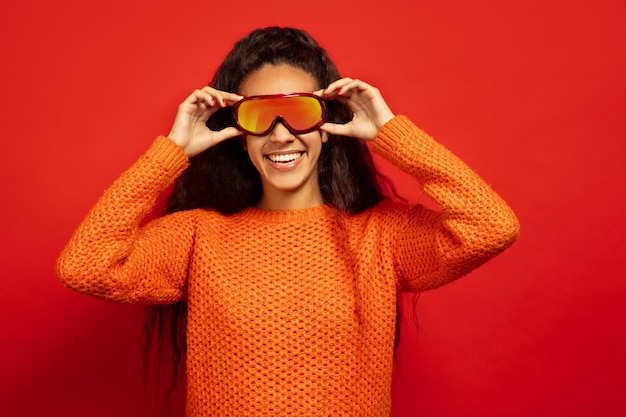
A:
[201, 97]
[332, 88]
[226, 133]
[354, 86]
[230, 99]
[337, 129]
[222, 98]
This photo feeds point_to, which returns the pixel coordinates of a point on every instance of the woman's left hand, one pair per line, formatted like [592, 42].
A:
[369, 109]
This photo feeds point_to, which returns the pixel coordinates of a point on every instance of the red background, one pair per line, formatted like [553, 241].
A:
[530, 94]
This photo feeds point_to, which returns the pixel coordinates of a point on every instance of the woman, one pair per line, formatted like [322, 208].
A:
[280, 241]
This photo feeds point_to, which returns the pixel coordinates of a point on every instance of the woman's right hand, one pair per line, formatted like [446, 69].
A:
[189, 130]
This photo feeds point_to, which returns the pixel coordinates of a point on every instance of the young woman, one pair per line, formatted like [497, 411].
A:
[280, 242]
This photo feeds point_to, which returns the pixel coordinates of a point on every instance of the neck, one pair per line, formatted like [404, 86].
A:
[290, 200]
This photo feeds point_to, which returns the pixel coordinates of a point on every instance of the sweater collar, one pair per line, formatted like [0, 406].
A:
[288, 216]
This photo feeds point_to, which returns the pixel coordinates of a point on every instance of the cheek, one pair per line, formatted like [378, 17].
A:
[254, 149]
[316, 141]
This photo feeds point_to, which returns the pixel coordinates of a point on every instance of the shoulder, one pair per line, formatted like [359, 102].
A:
[390, 215]
[391, 208]
[197, 215]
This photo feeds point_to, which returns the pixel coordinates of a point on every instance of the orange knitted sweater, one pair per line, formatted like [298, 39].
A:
[289, 312]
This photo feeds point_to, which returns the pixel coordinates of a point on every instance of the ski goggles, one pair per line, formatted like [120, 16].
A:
[299, 112]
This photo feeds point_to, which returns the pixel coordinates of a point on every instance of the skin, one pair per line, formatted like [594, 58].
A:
[292, 185]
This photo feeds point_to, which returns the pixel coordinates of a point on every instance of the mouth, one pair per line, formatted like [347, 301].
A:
[286, 158]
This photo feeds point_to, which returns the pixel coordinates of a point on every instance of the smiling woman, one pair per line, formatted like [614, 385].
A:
[286, 161]
[282, 254]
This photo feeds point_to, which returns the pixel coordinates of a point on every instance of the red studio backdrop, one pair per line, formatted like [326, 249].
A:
[530, 94]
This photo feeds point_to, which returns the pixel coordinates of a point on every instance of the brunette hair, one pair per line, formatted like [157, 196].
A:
[223, 178]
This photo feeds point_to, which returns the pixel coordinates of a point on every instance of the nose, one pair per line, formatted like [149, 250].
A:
[280, 133]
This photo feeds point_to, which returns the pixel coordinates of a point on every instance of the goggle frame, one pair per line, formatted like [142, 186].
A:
[323, 116]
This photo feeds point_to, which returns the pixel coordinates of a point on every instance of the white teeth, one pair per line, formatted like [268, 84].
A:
[290, 157]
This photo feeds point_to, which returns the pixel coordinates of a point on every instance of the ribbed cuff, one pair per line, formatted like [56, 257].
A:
[400, 139]
[168, 155]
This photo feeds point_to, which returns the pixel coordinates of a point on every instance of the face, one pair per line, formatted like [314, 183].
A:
[287, 162]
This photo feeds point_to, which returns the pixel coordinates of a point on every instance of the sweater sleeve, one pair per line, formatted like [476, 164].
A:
[110, 256]
[431, 249]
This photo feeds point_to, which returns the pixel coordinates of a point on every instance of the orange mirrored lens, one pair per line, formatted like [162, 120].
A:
[299, 112]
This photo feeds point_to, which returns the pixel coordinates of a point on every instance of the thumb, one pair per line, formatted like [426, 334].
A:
[336, 129]
[226, 133]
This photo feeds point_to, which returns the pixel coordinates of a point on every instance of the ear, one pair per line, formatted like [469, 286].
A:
[243, 142]
[324, 136]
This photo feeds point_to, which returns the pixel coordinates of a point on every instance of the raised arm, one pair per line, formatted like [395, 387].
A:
[110, 255]
[474, 225]
[430, 249]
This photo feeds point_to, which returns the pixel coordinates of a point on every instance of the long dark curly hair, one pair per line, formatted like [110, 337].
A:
[223, 178]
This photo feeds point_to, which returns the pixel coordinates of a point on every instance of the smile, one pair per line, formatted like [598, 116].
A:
[285, 158]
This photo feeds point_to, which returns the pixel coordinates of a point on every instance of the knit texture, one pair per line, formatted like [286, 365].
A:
[290, 313]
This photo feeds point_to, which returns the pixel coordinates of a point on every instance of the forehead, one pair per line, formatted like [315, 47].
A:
[278, 79]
